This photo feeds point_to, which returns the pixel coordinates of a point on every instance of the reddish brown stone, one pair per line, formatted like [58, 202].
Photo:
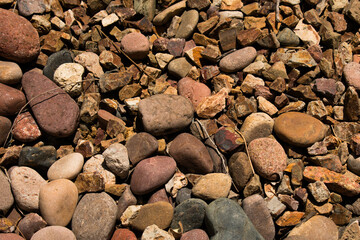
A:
[355, 144]
[227, 139]
[10, 236]
[123, 234]
[193, 234]
[25, 128]
[5, 126]
[141, 146]
[104, 117]
[175, 46]
[194, 91]
[30, 224]
[290, 219]
[11, 100]
[248, 37]
[159, 196]
[315, 52]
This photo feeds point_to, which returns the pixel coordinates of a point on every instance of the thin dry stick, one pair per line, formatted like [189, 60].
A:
[122, 52]
[246, 149]
[277, 6]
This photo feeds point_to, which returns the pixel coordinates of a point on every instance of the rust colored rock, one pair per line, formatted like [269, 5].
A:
[355, 144]
[5, 126]
[194, 91]
[227, 139]
[135, 45]
[197, 234]
[19, 41]
[141, 146]
[90, 182]
[290, 219]
[25, 128]
[10, 236]
[30, 224]
[123, 234]
[191, 154]
[11, 100]
[336, 182]
[55, 111]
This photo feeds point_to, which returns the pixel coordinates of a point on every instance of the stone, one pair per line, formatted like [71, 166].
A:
[190, 153]
[67, 167]
[353, 165]
[91, 62]
[257, 125]
[179, 67]
[152, 173]
[175, 47]
[227, 139]
[351, 71]
[240, 169]
[158, 213]
[110, 60]
[345, 130]
[289, 219]
[319, 191]
[196, 92]
[275, 206]
[165, 15]
[317, 109]
[6, 199]
[25, 128]
[25, 185]
[55, 111]
[250, 82]
[10, 73]
[190, 213]
[154, 232]
[117, 160]
[299, 129]
[187, 26]
[351, 231]
[266, 106]
[21, 45]
[340, 215]
[329, 161]
[40, 158]
[198, 234]
[141, 146]
[54, 232]
[288, 38]
[307, 33]
[213, 104]
[268, 157]
[57, 201]
[165, 114]
[352, 11]
[227, 220]
[212, 186]
[136, 45]
[94, 217]
[55, 60]
[206, 26]
[11, 100]
[127, 199]
[69, 77]
[109, 20]
[29, 7]
[10, 236]
[96, 164]
[237, 60]
[90, 182]
[123, 234]
[256, 209]
[301, 58]
[31, 224]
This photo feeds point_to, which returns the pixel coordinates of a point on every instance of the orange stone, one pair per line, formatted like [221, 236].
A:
[290, 219]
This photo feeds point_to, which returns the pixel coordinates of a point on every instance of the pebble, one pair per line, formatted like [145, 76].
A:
[316, 228]
[195, 91]
[140, 146]
[353, 165]
[352, 231]
[212, 186]
[268, 157]
[290, 218]
[212, 105]
[19, 44]
[25, 185]
[351, 74]
[30, 224]
[190, 213]
[188, 23]
[10, 236]
[123, 234]
[127, 199]
[5, 127]
[91, 62]
[299, 129]
[94, 217]
[136, 45]
[55, 60]
[165, 15]
[11, 100]
[67, 167]
[29, 7]
[165, 114]
[68, 76]
[288, 38]
[25, 128]
[227, 220]
[256, 209]
[39, 158]
[10, 73]
[154, 232]
[227, 139]
[6, 198]
[197, 234]
[159, 196]
[191, 154]
[57, 201]
[179, 67]
[152, 173]
[257, 125]
[237, 60]
[54, 233]
[55, 112]
[96, 164]
[117, 160]
[240, 169]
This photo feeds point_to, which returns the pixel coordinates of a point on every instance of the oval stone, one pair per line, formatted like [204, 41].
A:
[117, 160]
[26, 184]
[268, 157]
[5, 126]
[67, 167]
[19, 40]
[197, 234]
[10, 236]
[54, 233]
[25, 128]
[123, 234]
[152, 173]
[136, 45]
[165, 114]
[191, 154]
[10, 73]
[237, 60]
[212, 186]
[57, 201]
[299, 129]
[11, 100]
[55, 111]
[257, 125]
[194, 91]
[6, 197]
[30, 224]
[188, 23]
[69, 77]
[94, 217]
[352, 74]
[141, 146]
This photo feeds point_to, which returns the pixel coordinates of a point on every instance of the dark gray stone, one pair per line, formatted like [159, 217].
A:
[39, 158]
[183, 195]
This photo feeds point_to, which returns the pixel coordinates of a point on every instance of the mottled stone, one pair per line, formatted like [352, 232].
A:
[136, 45]
[240, 169]
[257, 125]
[25, 128]
[54, 233]
[55, 60]
[31, 224]
[196, 92]
[237, 60]
[117, 160]
[212, 186]
[141, 146]
[197, 234]
[213, 104]
[10, 73]
[165, 15]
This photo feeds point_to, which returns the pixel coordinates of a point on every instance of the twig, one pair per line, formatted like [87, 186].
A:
[246, 149]
[277, 18]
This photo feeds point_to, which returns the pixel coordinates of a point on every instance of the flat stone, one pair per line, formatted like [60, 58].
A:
[351, 73]
[67, 167]
[165, 114]
[94, 217]
[240, 169]
[187, 26]
[307, 33]
[91, 62]
[54, 232]
[191, 154]
[117, 160]
[268, 157]
[25, 128]
[165, 15]
[39, 158]
[257, 125]
[90, 182]
[290, 219]
[179, 67]
[212, 186]
[141, 146]
[237, 60]
[55, 111]
[19, 44]
[11, 100]
[152, 173]
[30, 7]
[5, 127]
[319, 191]
[213, 104]
[57, 201]
[154, 232]
[6, 198]
[69, 77]
[55, 60]
[10, 73]
[299, 129]
[136, 45]
[31, 224]
[25, 185]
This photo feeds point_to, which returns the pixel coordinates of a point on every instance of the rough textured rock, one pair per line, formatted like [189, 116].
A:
[10, 73]
[25, 128]
[136, 45]
[196, 92]
[55, 111]
[19, 39]
[30, 224]
[55, 60]
[165, 114]
[117, 160]
[39, 158]
[141, 146]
